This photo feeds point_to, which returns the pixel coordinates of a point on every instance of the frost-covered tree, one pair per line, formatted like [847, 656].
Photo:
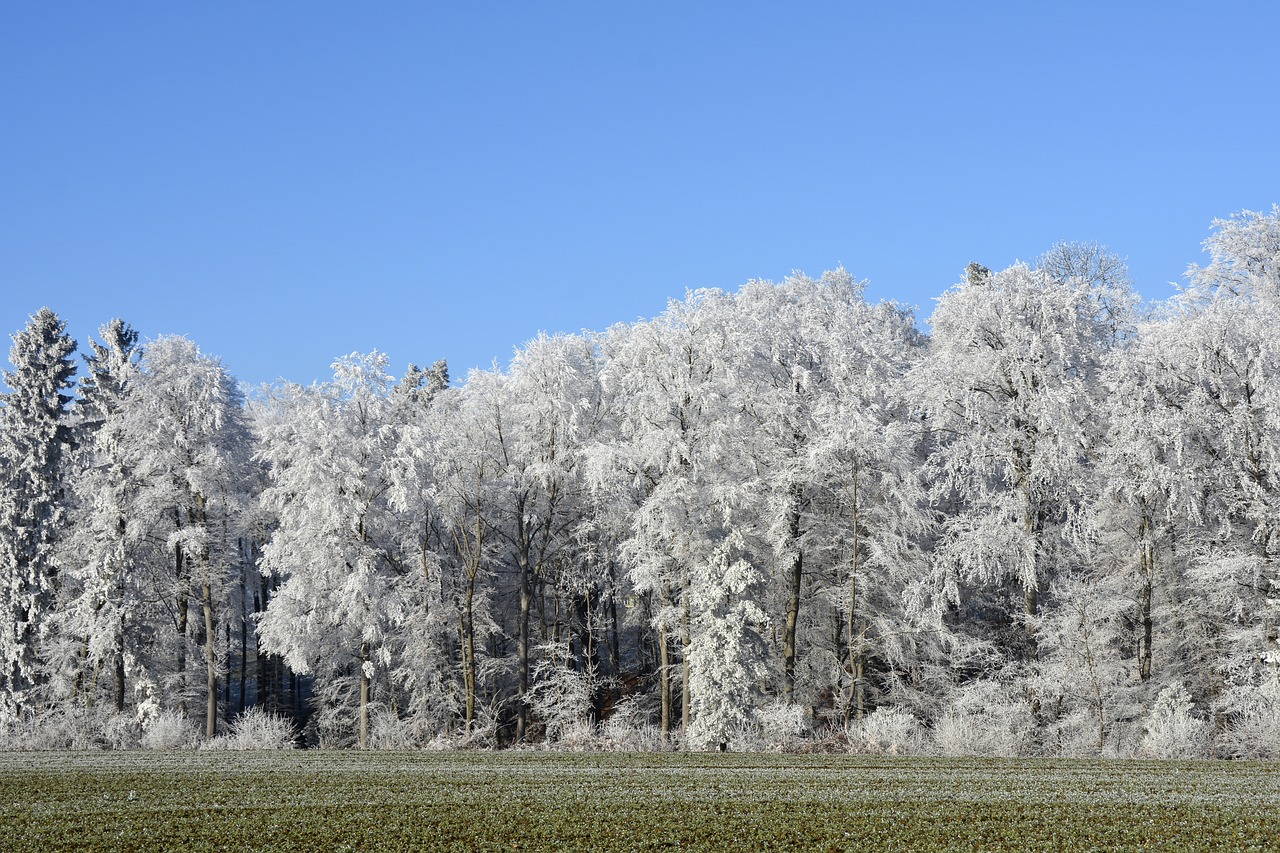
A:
[678, 452]
[783, 364]
[1009, 389]
[1213, 372]
[424, 690]
[821, 370]
[549, 407]
[1173, 729]
[334, 547]
[103, 608]
[874, 521]
[34, 435]
[1244, 253]
[465, 456]
[186, 438]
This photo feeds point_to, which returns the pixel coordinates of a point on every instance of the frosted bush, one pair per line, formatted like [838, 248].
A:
[389, 730]
[630, 727]
[637, 710]
[484, 731]
[1172, 730]
[560, 697]
[887, 731]
[258, 728]
[985, 720]
[1253, 726]
[781, 725]
[168, 729]
[73, 727]
[1075, 735]
[121, 731]
[633, 737]
[66, 727]
[579, 736]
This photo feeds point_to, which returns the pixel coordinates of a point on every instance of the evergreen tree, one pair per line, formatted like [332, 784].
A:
[33, 439]
[100, 553]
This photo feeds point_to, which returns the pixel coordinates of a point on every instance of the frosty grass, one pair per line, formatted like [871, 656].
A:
[547, 801]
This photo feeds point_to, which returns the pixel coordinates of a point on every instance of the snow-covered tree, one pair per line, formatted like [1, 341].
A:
[102, 608]
[866, 460]
[678, 450]
[1213, 369]
[820, 371]
[550, 406]
[334, 547]
[1009, 389]
[34, 434]
[186, 438]
[465, 456]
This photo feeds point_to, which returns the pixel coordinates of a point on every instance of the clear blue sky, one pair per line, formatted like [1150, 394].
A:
[287, 182]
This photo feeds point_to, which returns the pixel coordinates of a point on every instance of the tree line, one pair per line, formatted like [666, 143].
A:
[783, 515]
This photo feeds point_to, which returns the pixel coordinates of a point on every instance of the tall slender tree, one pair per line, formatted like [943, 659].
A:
[102, 556]
[550, 407]
[34, 436]
[189, 444]
[334, 547]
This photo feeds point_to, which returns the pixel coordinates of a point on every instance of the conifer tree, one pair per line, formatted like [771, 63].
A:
[100, 554]
[33, 438]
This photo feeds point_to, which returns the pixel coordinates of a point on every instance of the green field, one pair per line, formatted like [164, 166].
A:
[553, 801]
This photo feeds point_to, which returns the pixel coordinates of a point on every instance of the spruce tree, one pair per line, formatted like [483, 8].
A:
[34, 434]
[99, 563]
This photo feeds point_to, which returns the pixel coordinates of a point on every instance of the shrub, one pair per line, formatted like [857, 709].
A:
[1173, 731]
[1253, 721]
[74, 727]
[121, 731]
[622, 736]
[580, 736]
[389, 730]
[168, 729]
[782, 726]
[258, 728]
[986, 720]
[887, 731]
[561, 696]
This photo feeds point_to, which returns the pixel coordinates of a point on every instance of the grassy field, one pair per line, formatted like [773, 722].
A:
[337, 801]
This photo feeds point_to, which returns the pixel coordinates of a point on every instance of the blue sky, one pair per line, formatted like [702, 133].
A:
[288, 182]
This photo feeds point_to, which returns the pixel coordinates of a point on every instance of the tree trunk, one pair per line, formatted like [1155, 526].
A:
[664, 681]
[611, 635]
[210, 662]
[859, 686]
[183, 609]
[522, 646]
[244, 657]
[199, 519]
[267, 684]
[226, 655]
[120, 670]
[686, 707]
[1147, 569]
[857, 699]
[1031, 603]
[364, 696]
[1031, 585]
[796, 578]
[469, 656]
[119, 650]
